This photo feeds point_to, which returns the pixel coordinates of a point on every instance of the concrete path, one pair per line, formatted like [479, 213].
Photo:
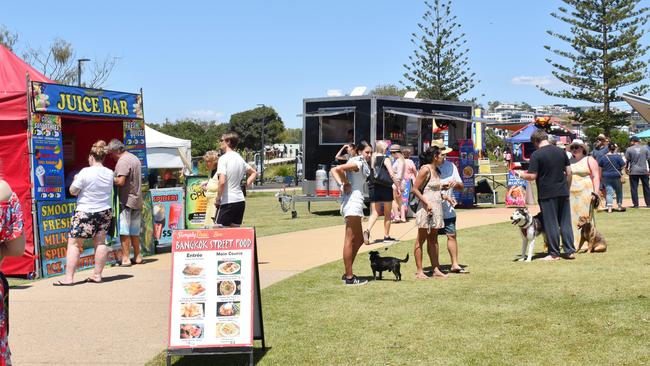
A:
[124, 321]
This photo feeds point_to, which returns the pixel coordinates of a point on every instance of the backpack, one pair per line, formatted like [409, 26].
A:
[380, 175]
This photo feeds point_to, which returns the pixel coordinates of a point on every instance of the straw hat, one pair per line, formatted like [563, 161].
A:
[440, 143]
[579, 142]
[395, 148]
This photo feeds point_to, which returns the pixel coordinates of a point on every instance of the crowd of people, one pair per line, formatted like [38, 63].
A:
[571, 181]
[389, 173]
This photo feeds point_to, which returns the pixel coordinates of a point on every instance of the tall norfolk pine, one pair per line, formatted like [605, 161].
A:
[439, 65]
[605, 53]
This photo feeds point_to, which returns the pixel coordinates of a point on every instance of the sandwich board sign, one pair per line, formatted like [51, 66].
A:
[215, 305]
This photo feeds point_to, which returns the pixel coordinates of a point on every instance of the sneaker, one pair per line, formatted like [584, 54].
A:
[354, 281]
[389, 239]
[366, 237]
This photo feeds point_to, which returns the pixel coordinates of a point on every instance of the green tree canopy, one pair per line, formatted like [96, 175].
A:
[439, 66]
[248, 124]
[291, 136]
[604, 53]
[390, 90]
[204, 135]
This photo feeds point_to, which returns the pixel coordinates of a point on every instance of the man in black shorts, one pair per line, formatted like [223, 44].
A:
[551, 170]
[232, 169]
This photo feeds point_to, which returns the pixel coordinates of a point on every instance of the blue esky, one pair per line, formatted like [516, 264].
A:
[209, 59]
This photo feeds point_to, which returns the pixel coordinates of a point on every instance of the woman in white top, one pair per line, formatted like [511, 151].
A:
[93, 187]
[352, 176]
[399, 167]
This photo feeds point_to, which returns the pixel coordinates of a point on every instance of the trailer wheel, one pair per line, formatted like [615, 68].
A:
[294, 214]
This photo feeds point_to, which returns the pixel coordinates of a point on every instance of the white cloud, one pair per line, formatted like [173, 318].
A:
[206, 114]
[534, 80]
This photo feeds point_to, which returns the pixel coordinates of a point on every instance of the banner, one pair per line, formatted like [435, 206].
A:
[466, 163]
[134, 142]
[147, 243]
[49, 182]
[196, 202]
[56, 98]
[516, 191]
[167, 213]
[213, 273]
[54, 220]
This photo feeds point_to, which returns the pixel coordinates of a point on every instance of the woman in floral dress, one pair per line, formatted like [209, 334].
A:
[585, 175]
[12, 243]
[429, 217]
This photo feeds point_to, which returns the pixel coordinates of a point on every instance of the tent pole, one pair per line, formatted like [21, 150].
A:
[30, 153]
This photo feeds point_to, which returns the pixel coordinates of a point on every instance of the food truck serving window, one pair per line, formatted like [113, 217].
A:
[336, 125]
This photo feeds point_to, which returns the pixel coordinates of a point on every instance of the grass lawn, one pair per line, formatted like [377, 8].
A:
[263, 211]
[594, 310]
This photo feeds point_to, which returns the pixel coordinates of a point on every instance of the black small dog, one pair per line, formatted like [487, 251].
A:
[381, 264]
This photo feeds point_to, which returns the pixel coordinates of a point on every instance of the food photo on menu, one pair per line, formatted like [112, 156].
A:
[194, 288]
[228, 308]
[193, 269]
[227, 330]
[192, 310]
[228, 288]
[191, 331]
[230, 267]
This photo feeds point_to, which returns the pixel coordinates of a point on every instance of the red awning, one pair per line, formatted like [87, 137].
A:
[14, 155]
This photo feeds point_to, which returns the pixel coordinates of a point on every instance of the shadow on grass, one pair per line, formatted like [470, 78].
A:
[327, 213]
[20, 287]
[226, 360]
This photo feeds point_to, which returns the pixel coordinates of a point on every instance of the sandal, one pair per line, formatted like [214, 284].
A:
[59, 283]
[92, 280]
[459, 270]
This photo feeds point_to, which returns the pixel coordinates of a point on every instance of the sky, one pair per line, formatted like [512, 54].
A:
[210, 59]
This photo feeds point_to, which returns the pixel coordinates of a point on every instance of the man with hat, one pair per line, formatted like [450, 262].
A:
[449, 176]
[637, 158]
[600, 148]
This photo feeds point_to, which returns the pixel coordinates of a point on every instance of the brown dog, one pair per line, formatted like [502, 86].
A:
[588, 233]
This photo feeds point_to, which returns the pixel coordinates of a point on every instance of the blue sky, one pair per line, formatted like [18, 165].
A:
[209, 59]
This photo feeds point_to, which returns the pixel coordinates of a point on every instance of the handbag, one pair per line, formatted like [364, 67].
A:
[623, 179]
[414, 201]
[380, 175]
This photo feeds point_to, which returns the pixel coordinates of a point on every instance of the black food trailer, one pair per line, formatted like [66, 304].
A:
[331, 122]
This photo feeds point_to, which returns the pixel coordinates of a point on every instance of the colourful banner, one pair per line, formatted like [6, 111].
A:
[49, 183]
[196, 202]
[516, 191]
[167, 213]
[56, 98]
[466, 163]
[135, 143]
[212, 291]
[54, 219]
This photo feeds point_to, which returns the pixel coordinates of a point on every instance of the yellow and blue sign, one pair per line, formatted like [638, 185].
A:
[56, 98]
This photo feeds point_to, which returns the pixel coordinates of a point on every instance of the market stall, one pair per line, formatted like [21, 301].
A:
[51, 130]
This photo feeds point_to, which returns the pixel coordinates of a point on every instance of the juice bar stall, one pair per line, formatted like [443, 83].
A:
[64, 122]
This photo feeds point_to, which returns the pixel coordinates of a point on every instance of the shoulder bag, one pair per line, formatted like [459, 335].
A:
[622, 177]
[380, 175]
[414, 201]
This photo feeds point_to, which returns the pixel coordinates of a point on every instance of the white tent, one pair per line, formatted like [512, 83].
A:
[167, 152]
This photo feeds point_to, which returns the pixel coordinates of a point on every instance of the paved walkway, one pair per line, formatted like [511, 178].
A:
[124, 320]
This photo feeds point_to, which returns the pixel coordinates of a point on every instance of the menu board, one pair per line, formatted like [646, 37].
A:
[516, 192]
[48, 157]
[466, 170]
[196, 203]
[54, 219]
[212, 288]
[167, 213]
[134, 142]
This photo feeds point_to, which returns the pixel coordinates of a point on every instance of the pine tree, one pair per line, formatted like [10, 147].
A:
[439, 65]
[605, 55]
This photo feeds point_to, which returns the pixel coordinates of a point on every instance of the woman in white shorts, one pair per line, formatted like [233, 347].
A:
[351, 177]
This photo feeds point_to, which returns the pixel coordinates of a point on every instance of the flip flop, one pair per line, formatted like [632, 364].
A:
[59, 283]
[91, 280]
[459, 271]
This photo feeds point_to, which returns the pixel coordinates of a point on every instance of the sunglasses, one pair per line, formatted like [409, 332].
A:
[575, 147]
